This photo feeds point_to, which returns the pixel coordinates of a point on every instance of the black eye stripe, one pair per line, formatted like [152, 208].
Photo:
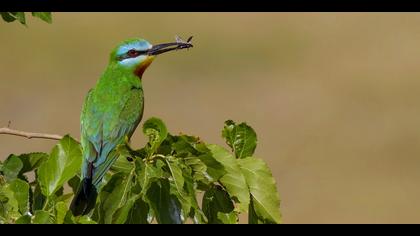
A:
[131, 54]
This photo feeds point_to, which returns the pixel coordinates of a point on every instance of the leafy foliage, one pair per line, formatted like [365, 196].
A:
[158, 183]
[241, 138]
[64, 161]
[261, 186]
[20, 16]
[218, 206]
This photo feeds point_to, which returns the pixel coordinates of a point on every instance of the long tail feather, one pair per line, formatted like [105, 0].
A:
[85, 198]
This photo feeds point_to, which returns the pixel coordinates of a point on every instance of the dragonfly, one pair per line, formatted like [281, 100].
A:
[182, 43]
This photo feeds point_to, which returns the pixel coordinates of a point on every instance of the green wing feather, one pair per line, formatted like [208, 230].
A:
[106, 120]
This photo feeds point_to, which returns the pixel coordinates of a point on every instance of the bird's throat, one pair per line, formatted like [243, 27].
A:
[143, 66]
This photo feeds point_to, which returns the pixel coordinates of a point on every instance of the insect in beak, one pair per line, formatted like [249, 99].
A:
[166, 47]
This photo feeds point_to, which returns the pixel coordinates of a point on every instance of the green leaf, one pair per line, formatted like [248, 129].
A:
[32, 161]
[234, 181]
[20, 190]
[125, 151]
[122, 164]
[113, 196]
[64, 162]
[42, 217]
[156, 130]
[147, 173]
[64, 198]
[265, 198]
[25, 219]
[183, 201]
[196, 155]
[11, 167]
[215, 169]
[85, 220]
[20, 16]
[218, 207]
[61, 211]
[185, 192]
[120, 216]
[185, 145]
[69, 218]
[165, 206]
[9, 206]
[138, 213]
[189, 202]
[196, 164]
[176, 173]
[241, 138]
[199, 170]
[14, 199]
[252, 215]
[45, 16]
[7, 16]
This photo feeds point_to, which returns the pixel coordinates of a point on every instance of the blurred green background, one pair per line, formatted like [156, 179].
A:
[334, 98]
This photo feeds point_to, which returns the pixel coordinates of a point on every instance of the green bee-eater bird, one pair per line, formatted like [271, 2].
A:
[111, 112]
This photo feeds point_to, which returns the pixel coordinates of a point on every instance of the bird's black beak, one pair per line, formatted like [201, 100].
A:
[166, 47]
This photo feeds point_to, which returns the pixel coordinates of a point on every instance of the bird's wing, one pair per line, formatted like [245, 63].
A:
[90, 130]
[116, 129]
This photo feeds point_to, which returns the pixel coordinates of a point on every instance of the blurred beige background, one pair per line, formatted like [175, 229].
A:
[334, 98]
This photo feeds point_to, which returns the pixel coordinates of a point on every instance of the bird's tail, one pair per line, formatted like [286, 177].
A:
[85, 198]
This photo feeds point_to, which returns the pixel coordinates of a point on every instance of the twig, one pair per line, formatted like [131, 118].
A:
[29, 135]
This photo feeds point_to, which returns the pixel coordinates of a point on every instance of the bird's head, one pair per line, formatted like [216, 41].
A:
[136, 55]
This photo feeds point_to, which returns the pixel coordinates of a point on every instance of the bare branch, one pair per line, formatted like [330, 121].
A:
[29, 135]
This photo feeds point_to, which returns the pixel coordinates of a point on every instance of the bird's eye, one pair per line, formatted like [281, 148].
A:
[132, 53]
